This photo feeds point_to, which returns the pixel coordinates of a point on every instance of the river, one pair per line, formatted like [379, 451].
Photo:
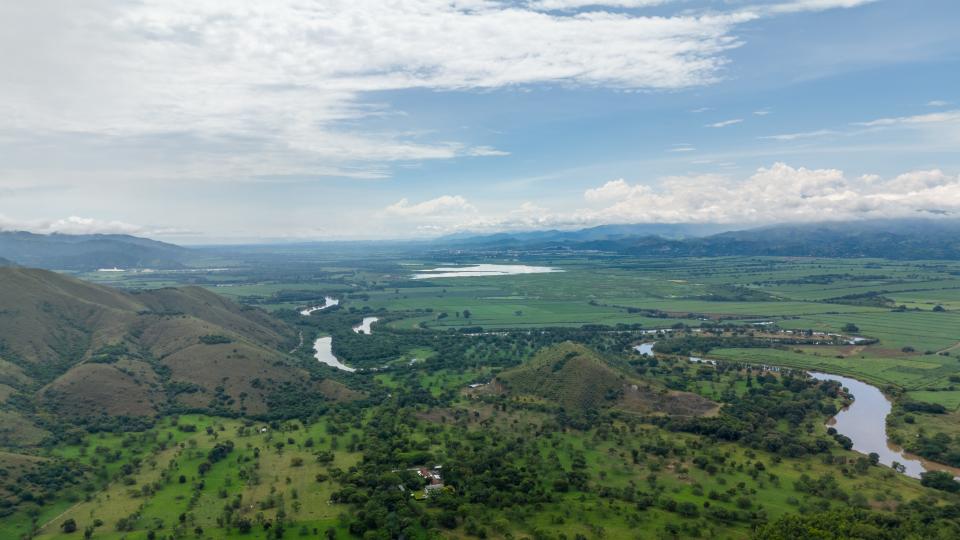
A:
[323, 348]
[364, 327]
[865, 423]
[329, 302]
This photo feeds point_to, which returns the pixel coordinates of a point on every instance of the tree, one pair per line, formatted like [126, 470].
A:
[69, 525]
[850, 328]
[940, 480]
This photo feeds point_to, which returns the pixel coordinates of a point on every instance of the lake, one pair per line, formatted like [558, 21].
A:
[480, 270]
[323, 348]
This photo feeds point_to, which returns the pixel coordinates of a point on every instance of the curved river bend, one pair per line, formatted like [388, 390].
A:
[865, 423]
[323, 346]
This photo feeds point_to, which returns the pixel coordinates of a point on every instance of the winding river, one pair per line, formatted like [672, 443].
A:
[364, 327]
[865, 422]
[323, 348]
[328, 302]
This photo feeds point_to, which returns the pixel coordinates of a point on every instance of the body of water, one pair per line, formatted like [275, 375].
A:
[478, 270]
[323, 348]
[364, 327]
[865, 422]
[329, 302]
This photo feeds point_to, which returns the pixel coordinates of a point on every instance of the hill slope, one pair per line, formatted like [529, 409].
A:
[89, 251]
[78, 349]
[579, 380]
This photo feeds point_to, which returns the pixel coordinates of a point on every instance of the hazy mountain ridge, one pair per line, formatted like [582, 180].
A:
[892, 239]
[89, 251]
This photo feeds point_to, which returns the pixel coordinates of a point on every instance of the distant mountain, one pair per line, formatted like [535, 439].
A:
[602, 232]
[90, 251]
[76, 349]
[891, 239]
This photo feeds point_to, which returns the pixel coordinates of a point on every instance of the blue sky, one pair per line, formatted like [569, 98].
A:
[220, 121]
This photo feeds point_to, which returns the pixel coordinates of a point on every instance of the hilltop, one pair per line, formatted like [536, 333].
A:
[83, 252]
[77, 349]
[580, 381]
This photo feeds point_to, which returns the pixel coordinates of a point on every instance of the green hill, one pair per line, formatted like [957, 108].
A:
[76, 349]
[580, 380]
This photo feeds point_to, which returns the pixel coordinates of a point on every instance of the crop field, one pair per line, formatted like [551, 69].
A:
[912, 308]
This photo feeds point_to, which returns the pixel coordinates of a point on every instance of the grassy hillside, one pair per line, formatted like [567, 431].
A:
[579, 380]
[82, 350]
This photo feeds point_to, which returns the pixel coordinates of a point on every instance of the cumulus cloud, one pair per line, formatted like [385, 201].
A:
[775, 194]
[444, 205]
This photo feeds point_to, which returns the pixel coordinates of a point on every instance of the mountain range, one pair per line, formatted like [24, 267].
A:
[89, 251]
[890, 239]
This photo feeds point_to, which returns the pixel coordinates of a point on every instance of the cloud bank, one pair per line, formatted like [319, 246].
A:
[775, 194]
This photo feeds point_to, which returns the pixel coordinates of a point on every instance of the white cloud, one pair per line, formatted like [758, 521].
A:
[725, 123]
[797, 6]
[919, 119]
[615, 189]
[776, 194]
[937, 103]
[485, 151]
[681, 148]
[72, 225]
[444, 205]
[286, 73]
[761, 112]
[561, 5]
[256, 89]
[800, 135]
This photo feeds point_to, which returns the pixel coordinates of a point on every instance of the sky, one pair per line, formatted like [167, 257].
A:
[214, 121]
